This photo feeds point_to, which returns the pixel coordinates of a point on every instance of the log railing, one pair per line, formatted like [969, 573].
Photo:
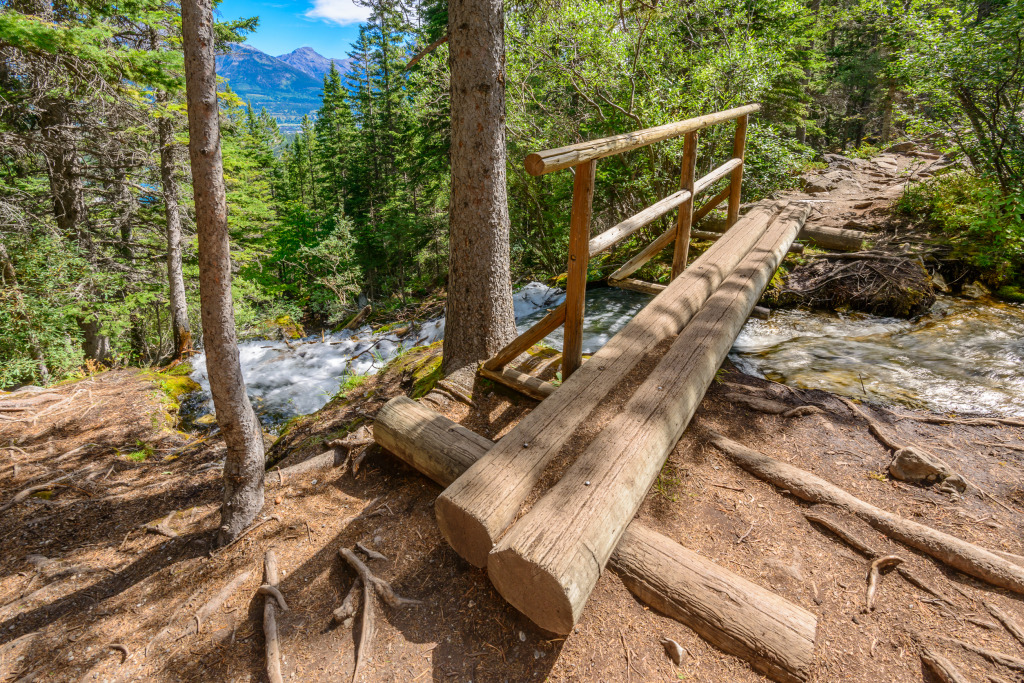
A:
[582, 157]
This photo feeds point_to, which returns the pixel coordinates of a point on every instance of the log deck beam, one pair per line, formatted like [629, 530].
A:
[477, 508]
[739, 617]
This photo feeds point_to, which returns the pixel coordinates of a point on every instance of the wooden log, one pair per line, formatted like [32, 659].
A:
[270, 619]
[547, 564]
[739, 617]
[579, 260]
[478, 507]
[520, 344]
[835, 239]
[685, 218]
[666, 237]
[639, 285]
[527, 384]
[550, 160]
[359, 318]
[708, 236]
[739, 146]
[957, 553]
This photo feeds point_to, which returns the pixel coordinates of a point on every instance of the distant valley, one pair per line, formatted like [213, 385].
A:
[289, 86]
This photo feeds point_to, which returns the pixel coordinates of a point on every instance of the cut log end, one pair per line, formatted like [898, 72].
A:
[532, 591]
[467, 535]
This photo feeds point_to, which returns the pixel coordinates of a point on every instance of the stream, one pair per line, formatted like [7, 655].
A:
[964, 356]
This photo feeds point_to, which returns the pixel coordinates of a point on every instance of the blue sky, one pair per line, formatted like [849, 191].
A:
[327, 26]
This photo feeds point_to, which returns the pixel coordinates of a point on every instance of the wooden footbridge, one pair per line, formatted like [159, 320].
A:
[546, 558]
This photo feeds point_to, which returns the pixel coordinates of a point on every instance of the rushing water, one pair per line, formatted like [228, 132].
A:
[964, 356]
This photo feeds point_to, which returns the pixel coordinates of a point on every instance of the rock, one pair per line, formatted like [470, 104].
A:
[817, 183]
[940, 282]
[901, 147]
[856, 225]
[673, 649]
[863, 205]
[919, 467]
[975, 290]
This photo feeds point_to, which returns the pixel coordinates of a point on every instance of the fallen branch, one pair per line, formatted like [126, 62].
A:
[957, 553]
[1007, 621]
[873, 573]
[941, 667]
[216, 602]
[272, 599]
[325, 460]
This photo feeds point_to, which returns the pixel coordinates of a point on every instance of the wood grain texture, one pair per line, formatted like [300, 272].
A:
[685, 218]
[533, 387]
[547, 564]
[550, 160]
[579, 260]
[739, 146]
[480, 505]
[739, 617]
[833, 239]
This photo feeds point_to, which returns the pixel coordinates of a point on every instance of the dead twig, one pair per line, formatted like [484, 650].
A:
[873, 573]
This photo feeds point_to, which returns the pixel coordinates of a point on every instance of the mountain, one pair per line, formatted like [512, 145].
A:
[311, 63]
[287, 92]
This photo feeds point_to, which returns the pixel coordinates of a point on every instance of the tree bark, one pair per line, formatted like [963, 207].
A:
[243, 468]
[480, 319]
[180, 328]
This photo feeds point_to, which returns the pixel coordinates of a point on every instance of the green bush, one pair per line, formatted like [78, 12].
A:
[984, 225]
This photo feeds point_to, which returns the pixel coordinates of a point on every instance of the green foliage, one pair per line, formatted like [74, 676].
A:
[984, 225]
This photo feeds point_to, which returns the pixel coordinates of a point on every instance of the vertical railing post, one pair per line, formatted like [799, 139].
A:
[739, 145]
[579, 260]
[685, 219]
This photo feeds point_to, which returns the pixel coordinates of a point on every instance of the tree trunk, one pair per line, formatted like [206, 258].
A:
[887, 106]
[480, 319]
[180, 327]
[243, 467]
[62, 165]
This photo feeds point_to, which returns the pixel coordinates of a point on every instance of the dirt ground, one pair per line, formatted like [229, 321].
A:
[87, 594]
[104, 582]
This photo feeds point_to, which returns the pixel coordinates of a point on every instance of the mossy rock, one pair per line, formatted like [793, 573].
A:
[1011, 293]
[174, 384]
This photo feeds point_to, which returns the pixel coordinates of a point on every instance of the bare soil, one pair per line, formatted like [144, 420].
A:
[107, 582]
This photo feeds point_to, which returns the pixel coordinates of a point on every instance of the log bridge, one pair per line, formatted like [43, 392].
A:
[546, 558]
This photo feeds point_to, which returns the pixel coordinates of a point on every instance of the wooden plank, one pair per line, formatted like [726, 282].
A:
[685, 219]
[621, 231]
[834, 239]
[709, 236]
[550, 160]
[739, 146]
[579, 259]
[520, 344]
[739, 617]
[638, 285]
[521, 382]
[547, 564]
[478, 507]
[663, 240]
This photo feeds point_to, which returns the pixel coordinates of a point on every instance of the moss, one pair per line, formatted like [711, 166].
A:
[426, 373]
[1011, 293]
[174, 384]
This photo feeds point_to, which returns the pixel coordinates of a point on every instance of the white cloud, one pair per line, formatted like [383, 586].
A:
[338, 11]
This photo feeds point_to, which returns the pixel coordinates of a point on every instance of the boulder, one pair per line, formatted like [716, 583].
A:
[901, 147]
[920, 467]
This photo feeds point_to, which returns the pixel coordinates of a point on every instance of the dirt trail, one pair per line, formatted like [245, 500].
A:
[87, 594]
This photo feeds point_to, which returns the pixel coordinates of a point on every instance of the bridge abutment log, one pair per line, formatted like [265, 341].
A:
[739, 617]
[477, 508]
[548, 563]
[823, 237]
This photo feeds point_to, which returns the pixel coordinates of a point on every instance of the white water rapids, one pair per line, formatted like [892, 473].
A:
[964, 356]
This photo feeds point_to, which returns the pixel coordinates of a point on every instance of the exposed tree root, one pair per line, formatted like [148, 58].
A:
[162, 528]
[957, 553]
[272, 600]
[1008, 661]
[941, 667]
[766, 405]
[125, 654]
[25, 493]
[455, 392]
[242, 535]
[972, 421]
[873, 574]
[372, 554]
[371, 584]
[1007, 621]
[349, 606]
[863, 548]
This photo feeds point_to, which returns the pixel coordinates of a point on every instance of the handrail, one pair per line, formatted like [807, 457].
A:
[551, 160]
[621, 231]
